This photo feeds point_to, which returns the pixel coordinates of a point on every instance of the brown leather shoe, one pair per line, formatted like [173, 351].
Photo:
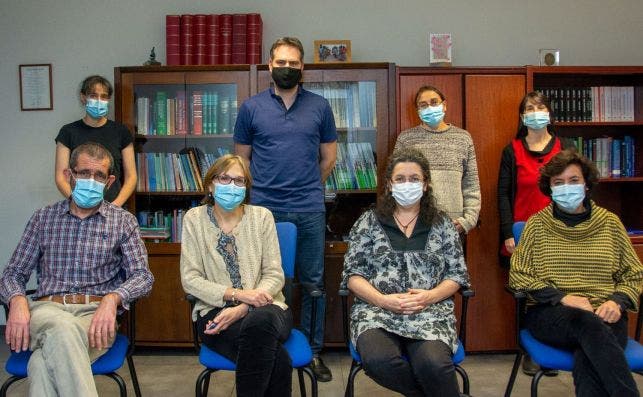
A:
[321, 371]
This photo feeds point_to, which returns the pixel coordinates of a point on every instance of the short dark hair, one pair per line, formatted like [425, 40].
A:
[425, 88]
[540, 99]
[559, 163]
[287, 41]
[93, 150]
[221, 165]
[386, 203]
[88, 84]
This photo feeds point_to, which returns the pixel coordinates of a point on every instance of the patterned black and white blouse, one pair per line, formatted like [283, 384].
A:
[371, 256]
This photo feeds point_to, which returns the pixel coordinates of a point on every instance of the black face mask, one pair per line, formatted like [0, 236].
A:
[285, 77]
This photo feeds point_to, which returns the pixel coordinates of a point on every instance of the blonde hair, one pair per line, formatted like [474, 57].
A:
[220, 166]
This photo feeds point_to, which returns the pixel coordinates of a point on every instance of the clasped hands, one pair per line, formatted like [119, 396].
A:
[229, 315]
[410, 302]
[609, 311]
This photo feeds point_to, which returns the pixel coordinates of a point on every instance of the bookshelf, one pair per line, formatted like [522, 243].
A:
[606, 124]
[162, 106]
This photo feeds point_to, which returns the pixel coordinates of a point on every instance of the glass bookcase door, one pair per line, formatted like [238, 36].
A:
[353, 104]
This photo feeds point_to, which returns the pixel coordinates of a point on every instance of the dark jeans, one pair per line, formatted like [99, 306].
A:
[600, 368]
[309, 264]
[427, 370]
[255, 344]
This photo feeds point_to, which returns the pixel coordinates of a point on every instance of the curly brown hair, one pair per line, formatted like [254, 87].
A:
[386, 204]
[559, 163]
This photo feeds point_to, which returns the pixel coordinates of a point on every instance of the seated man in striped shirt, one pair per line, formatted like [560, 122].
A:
[90, 261]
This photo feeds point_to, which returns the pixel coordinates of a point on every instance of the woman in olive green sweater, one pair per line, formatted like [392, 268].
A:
[581, 273]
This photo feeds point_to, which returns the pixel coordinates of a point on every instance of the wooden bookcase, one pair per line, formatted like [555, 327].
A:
[363, 100]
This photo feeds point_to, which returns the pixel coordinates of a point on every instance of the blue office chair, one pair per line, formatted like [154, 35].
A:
[297, 344]
[458, 357]
[548, 357]
[106, 365]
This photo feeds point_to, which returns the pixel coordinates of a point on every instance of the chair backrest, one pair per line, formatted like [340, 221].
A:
[517, 230]
[287, 235]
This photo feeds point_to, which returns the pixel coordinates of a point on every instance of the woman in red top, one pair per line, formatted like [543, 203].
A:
[518, 194]
[535, 143]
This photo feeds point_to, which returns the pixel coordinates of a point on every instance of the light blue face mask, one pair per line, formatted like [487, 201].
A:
[229, 196]
[568, 197]
[432, 115]
[88, 193]
[535, 120]
[96, 108]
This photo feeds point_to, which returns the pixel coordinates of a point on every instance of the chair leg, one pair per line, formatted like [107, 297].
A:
[313, 382]
[132, 372]
[534, 382]
[302, 384]
[121, 383]
[7, 383]
[203, 383]
[465, 379]
[350, 382]
[514, 372]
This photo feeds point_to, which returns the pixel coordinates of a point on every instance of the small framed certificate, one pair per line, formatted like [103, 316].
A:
[35, 87]
[440, 45]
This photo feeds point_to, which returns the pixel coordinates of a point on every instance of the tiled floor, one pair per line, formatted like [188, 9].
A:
[173, 374]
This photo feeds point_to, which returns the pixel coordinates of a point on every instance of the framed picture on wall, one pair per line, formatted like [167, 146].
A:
[35, 87]
[332, 51]
[440, 49]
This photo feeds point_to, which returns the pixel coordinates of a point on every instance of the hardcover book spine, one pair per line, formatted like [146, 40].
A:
[197, 113]
[239, 27]
[199, 27]
[254, 38]
[186, 40]
[211, 39]
[172, 33]
[226, 39]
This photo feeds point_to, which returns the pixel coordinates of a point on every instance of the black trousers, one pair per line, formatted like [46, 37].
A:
[425, 370]
[255, 344]
[600, 368]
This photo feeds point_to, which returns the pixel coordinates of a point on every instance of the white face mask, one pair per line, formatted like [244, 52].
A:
[407, 193]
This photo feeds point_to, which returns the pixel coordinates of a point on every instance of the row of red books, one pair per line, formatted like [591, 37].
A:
[213, 39]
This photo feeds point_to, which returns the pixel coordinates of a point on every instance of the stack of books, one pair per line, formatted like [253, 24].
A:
[591, 104]
[613, 157]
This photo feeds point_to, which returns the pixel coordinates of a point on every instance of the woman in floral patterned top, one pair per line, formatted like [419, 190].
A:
[404, 263]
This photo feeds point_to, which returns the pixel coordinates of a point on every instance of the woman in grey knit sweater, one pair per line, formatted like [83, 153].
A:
[451, 155]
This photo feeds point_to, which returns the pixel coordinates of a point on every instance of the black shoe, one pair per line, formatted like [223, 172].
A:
[321, 371]
[529, 367]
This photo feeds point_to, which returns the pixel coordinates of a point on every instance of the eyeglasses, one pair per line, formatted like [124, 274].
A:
[226, 179]
[87, 174]
[413, 179]
[432, 102]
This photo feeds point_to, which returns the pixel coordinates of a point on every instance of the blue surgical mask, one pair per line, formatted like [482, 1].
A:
[568, 197]
[96, 108]
[535, 120]
[432, 115]
[229, 196]
[88, 193]
[407, 193]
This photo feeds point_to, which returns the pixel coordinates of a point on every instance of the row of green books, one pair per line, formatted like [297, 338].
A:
[354, 168]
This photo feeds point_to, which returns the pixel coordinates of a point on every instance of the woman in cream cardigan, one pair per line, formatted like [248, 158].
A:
[230, 262]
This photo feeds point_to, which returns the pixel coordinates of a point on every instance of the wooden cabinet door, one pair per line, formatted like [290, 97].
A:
[491, 108]
[163, 318]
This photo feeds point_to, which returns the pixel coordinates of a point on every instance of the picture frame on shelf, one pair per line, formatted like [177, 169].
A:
[35, 87]
[548, 57]
[332, 51]
[440, 46]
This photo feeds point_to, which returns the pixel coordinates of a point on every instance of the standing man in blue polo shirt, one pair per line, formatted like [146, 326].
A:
[288, 135]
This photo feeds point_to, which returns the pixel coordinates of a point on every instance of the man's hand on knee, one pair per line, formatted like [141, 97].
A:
[103, 326]
[17, 330]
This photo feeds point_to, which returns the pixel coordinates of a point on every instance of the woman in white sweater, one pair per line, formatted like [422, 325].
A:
[230, 261]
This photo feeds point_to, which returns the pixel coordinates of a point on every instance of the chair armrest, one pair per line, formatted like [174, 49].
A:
[344, 292]
[516, 294]
[467, 292]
